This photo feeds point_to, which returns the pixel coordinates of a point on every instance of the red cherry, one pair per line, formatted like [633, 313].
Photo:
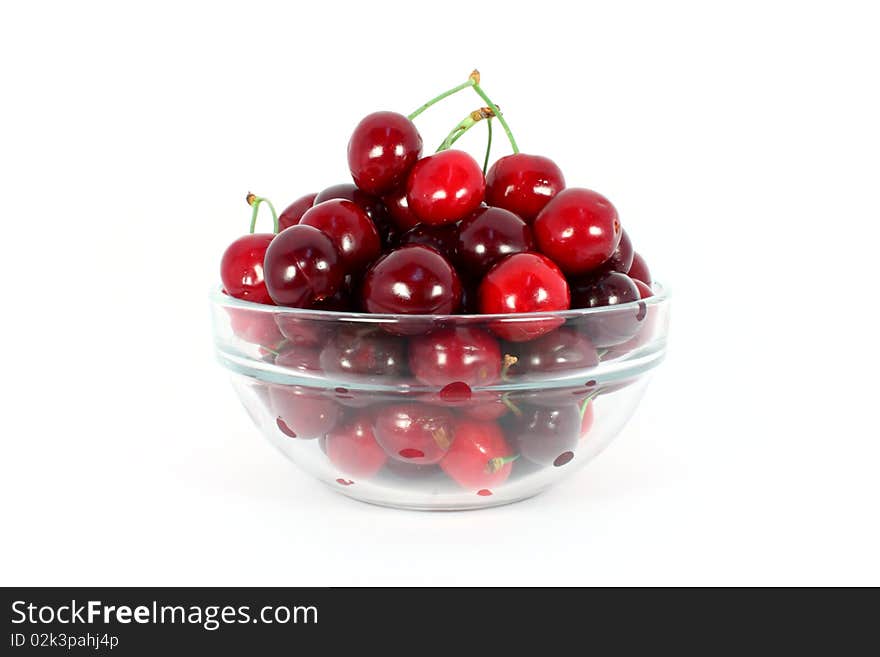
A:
[413, 280]
[468, 355]
[486, 406]
[488, 235]
[587, 418]
[524, 283]
[639, 270]
[372, 205]
[445, 187]
[578, 229]
[241, 268]
[254, 327]
[301, 413]
[360, 353]
[294, 212]
[414, 433]
[523, 184]
[443, 238]
[353, 448]
[644, 290]
[608, 289]
[300, 331]
[382, 150]
[398, 209]
[299, 358]
[622, 258]
[351, 230]
[302, 267]
[479, 457]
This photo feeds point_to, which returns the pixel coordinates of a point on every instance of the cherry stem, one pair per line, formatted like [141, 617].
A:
[494, 108]
[505, 399]
[255, 201]
[463, 126]
[488, 145]
[583, 407]
[471, 81]
[507, 362]
[495, 464]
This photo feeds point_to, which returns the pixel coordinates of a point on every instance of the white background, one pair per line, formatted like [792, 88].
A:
[739, 141]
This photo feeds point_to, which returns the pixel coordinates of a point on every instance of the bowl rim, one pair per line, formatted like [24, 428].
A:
[662, 294]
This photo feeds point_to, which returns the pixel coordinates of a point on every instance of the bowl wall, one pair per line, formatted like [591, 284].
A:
[440, 412]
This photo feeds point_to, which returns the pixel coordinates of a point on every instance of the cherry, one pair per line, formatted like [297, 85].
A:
[524, 283]
[488, 235]
[558, 351]
[622, 258]
[241, 268]
[298, 357]
[294, 212]
[383, 148]
[486, 406]
[479, 457]
[412, 280]
[445, 187]
[547, 436]
[644, 290]
[351, 230]
[254, 327]
[523, 184]
[579, 229]
[468, 355]
[302, 413]
[470, 300]
[398, 209]
[639, 270]
[442, 238]
[302, 267]
[372, 205]
[363, 353]
[587, 417]
[608, 289]
[353, 449]
[415, 433]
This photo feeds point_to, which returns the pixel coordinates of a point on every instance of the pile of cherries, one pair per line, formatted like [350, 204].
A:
[435, 235]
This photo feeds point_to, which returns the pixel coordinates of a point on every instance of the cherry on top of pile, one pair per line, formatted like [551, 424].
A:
[439, 233]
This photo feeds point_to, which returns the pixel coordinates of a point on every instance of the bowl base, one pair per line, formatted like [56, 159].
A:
[482, 503]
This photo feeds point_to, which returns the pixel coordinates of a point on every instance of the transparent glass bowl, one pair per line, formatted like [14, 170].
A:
[367, 405]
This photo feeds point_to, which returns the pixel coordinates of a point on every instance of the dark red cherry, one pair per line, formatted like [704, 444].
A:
[398, 209]
[414, 433]
[302, 413]
[364, 353]
[622, 258]
[294, 212]
[578, 229]
[546, 436]
[443, 238]
[301, 331]
[524, 283]
[467, 355]
[523, 184]
[488, 235]
[372, 205]
[353, 449]
[302, 267]
[445, 187]
[241, 268]
[353, 233]
[561, 350]
[412, 280]
[383, 148]
[644, 290]
[479, 458]
[639, 270]
[299, 358]
[608, 289]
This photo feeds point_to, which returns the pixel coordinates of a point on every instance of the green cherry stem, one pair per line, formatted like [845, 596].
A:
[254, 201]
[494, 108]
[488, 145]
[463, 126]
[471, 81]
[583, 407]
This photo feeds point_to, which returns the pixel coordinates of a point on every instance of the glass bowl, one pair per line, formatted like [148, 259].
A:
[440, 412]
